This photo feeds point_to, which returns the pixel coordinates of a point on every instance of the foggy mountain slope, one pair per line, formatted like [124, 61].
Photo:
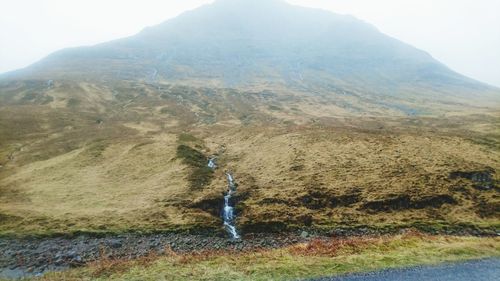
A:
[325, 122]
[264, 44]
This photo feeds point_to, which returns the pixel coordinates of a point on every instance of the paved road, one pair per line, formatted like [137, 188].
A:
[479, 270]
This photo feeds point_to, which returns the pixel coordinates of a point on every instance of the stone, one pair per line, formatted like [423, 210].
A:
[115, 243]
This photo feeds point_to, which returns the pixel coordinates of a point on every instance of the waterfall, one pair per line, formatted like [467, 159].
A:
[228, 215]
[228, 211]
[211, 163]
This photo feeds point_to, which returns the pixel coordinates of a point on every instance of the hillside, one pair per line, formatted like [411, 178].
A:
[83, 157]
[271, 45]
[325, 122]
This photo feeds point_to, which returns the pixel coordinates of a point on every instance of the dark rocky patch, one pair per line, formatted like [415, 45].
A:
[214, 204]
[241, 196]
[404, 202]
[210, 205]
[316, 200]
[435, 201]
[306, 220]
[476, 176]
[273, 200]
[483, 180]
[319, 200]
[396, 203]
[487, 209]
[264, 227]
[297, 167]
[345, 200]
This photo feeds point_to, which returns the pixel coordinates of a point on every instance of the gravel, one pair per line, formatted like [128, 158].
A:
[35, 256]
[31, 257]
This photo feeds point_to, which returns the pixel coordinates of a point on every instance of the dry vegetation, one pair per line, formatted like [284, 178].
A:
[314, 259]
[128, 156]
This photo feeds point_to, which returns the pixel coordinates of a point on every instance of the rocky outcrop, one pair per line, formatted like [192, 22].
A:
[212, 205]
[318, 199]
[404, 202]
[482, 180]
[487, 209]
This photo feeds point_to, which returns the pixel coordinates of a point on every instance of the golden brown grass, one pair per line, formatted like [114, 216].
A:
[109, 163]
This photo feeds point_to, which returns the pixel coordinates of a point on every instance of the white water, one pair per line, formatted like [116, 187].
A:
[230, 181]
[211, 163]
[228, 211]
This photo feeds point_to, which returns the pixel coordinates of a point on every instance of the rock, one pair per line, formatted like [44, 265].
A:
[115, 243]
[71, 254]
[78, 259]
[483, 179]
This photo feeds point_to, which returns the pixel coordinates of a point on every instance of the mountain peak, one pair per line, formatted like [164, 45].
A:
[250, 43]
[250, 2]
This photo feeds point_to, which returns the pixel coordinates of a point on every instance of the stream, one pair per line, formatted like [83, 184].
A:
[228, 211]
[228, 214]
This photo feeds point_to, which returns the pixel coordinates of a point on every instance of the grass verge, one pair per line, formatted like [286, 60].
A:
[314, 259]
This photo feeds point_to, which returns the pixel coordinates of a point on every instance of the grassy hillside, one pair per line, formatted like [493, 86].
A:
[128, 156]
[252, 44]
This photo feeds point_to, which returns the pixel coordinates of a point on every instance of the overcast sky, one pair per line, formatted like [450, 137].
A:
[463, 34]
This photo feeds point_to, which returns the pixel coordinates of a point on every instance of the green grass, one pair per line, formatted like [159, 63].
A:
[316, 259]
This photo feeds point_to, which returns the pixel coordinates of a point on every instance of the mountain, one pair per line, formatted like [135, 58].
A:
[325, 122]
[267, 44]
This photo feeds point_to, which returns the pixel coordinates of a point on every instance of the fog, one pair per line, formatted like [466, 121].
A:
[463, 34]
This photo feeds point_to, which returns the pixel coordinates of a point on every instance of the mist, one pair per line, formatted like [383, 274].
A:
[464, 34]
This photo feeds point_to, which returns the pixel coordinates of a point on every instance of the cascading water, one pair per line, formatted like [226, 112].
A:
[211, 163]
[228, 210]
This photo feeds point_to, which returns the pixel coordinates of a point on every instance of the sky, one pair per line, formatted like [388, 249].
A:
[463, 34]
